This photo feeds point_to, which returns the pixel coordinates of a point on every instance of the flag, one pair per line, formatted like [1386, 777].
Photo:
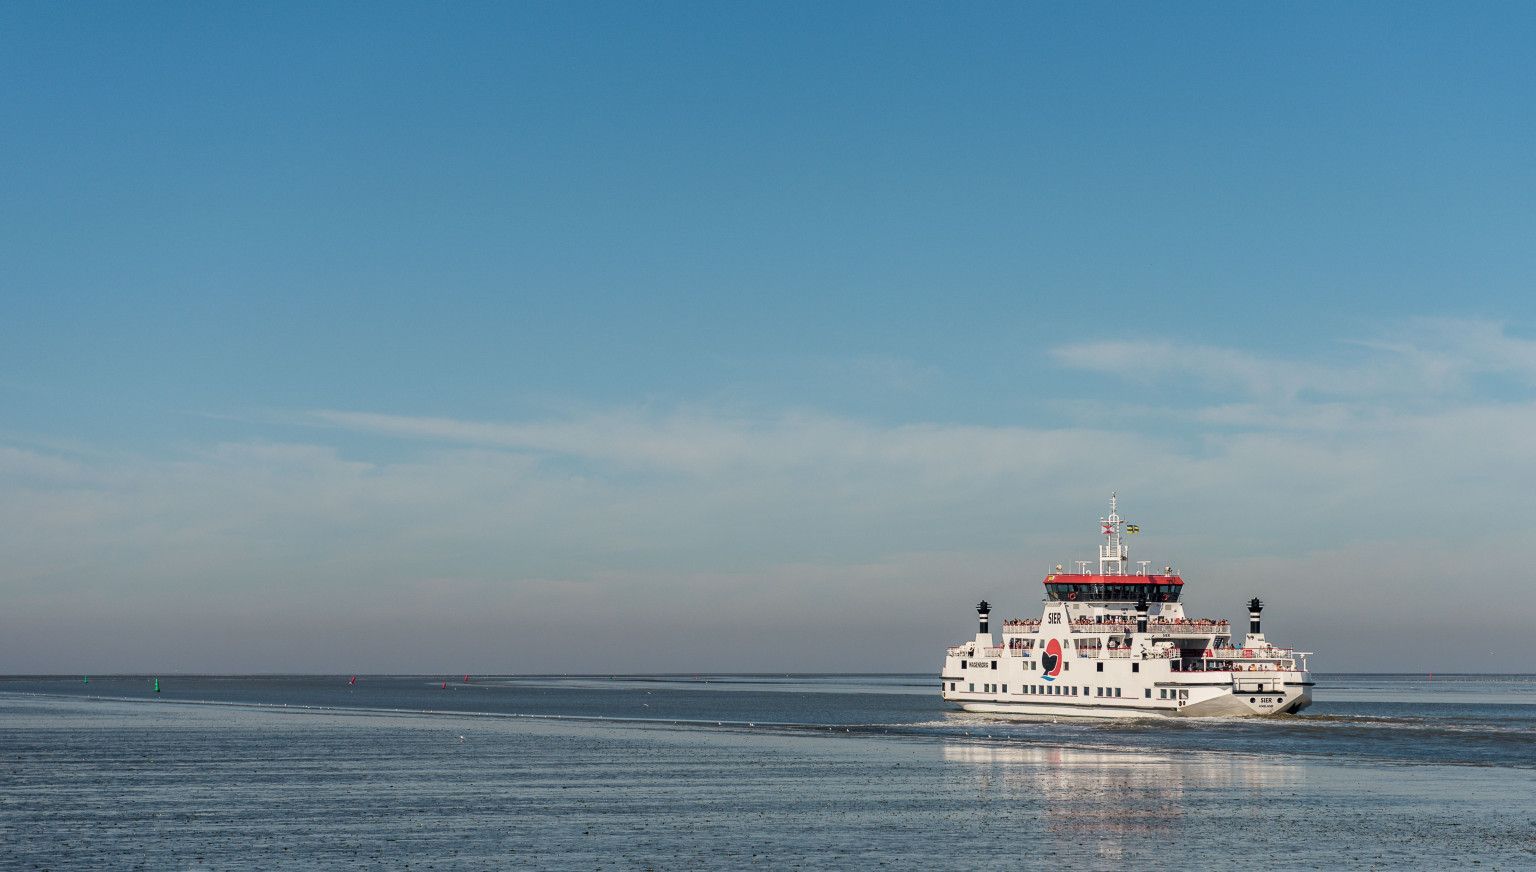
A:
[1132, 528]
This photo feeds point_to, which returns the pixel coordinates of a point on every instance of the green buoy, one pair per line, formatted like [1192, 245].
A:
[157, 685]
[85, 679]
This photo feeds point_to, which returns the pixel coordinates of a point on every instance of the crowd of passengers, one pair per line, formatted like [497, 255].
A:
[1120, 622]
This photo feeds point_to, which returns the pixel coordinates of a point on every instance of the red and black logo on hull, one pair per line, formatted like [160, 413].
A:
[1050, 660]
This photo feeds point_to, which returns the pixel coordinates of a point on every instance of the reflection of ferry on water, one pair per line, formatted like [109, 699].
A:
[1111, 809]
[1118, 644]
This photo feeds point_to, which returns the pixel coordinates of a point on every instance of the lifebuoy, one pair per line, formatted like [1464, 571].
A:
[1167, 596]
[1072, 595]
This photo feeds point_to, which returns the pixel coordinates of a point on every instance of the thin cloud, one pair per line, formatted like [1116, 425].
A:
[1414, 358]
[701, 442]
[654, 519]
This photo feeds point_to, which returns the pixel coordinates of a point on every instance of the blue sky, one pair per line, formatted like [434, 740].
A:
[413, 337]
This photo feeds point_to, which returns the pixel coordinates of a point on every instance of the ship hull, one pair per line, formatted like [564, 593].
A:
[1225, 706]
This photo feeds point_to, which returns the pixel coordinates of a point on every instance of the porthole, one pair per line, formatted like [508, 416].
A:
[1253, 699]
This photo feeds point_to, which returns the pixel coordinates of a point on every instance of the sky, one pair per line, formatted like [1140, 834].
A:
[700, 337]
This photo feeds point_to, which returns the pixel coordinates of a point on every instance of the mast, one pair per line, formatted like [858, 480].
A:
[1114, 552]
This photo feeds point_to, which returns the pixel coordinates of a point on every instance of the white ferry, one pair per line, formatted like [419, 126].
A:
[1118, 644]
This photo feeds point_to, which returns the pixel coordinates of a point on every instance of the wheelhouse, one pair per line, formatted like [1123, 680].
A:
[1113, 588]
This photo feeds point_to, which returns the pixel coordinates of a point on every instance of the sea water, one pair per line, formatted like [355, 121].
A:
[737, 771]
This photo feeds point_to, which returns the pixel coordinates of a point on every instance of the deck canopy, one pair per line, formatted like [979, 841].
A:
[1113, 588]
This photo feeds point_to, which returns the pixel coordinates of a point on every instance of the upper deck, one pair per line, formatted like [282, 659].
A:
[1171, 627]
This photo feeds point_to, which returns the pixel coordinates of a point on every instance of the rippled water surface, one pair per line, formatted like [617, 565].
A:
[664, 772]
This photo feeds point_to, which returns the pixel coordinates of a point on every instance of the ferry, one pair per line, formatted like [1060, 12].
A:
[1117, 643]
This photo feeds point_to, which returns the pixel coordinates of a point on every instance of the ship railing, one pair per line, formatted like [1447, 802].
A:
[960, 651]
[1245, 668]
[1191, 628]
[1278, 665]
[1121, 627]
[1195, 623]
[1217, 629]
[992, 652]
[1250, 654]
[1128, 652]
